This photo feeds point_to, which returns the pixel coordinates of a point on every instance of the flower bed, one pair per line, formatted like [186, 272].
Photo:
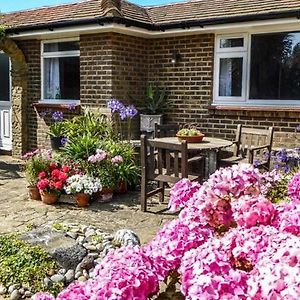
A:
[230, 241]
[92, 151]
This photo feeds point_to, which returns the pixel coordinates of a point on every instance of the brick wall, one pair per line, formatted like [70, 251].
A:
[115, 65]
[190, 84]
[189, 81]
[35, 130]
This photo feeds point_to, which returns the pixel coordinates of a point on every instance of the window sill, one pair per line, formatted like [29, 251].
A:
[56, 106]
[253, 108]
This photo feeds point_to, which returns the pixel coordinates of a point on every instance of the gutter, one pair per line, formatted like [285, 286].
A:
[152, 26]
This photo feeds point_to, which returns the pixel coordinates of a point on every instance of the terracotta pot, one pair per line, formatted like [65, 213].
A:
[82, 199]
[49, 198]
[122, 187]
[34, 193]
[191, 139]
[106, 190]
[105, 195]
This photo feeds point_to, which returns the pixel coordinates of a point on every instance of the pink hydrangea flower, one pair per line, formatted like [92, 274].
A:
[255, 211]
[181, 193]
[171, 242]
[43, 296]
[288, 218]
[294, 188]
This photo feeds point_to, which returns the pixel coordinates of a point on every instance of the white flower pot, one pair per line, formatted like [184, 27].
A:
[148, 122]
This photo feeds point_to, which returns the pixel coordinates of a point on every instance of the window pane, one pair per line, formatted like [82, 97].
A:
[4, 77]
[230, 78]
[63, 46]
[61, 78]
[230, 43]
[275, 66]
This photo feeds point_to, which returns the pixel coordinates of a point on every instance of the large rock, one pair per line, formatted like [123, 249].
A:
[62, 248]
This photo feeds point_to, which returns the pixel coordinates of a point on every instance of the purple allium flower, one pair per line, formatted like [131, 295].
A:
[131, 111]
[63, 141]
[256, 163]
[72, 106]
[43, 113]
[115, 105]
[58, 116]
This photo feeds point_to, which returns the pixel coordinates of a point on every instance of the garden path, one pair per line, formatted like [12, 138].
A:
[17, 212]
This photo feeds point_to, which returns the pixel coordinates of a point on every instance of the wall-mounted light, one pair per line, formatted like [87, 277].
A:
[176, 57]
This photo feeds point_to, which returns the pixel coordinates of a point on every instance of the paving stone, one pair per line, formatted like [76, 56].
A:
[17, 211]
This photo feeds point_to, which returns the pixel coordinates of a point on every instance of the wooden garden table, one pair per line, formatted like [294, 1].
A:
[209, 146]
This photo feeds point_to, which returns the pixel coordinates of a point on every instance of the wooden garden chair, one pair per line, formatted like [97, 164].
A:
[165, 130]
[164, 163]
[250, 146]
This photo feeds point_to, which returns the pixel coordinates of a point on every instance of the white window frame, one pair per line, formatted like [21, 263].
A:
[232, 52]
[58, 54]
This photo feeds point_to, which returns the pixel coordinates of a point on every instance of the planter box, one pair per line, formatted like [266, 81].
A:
[148, 122]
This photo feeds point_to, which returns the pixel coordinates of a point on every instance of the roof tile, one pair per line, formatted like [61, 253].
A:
[201, 10]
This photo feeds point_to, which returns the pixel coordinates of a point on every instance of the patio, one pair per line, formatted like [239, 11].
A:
[17, 212]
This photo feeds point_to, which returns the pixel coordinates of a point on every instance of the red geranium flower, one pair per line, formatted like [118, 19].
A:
[63, 176]
[58, 185]
[66, 169]
[55, 173]
[53, 166]
[42, 175]
[43, 184]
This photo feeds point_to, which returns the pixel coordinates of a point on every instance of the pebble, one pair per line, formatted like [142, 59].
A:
[78, 268]
[28, 294]
[82, 279]
[80, 239]
[3, 290]
[78, 274]
[69, 276]
[22, 291]
[85, 273]
[98, 260]
[47, 282]
[13, 287]
[89, 247]
[15, 295]
[87, 263]
[57, 278]
[99, 247]
[72, 235]
[62, 271]
[89, 232]
[93, 255]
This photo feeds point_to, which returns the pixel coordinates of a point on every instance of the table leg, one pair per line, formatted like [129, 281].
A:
[211, 163]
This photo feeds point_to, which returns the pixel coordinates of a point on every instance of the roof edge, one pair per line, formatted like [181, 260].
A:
[156, 27]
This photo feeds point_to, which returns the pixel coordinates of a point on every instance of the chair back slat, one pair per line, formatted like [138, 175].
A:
[252, 137]
[165, 130]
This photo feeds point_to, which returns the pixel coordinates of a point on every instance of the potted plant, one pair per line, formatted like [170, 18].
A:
[57, 131]
[82, 186]
[35, 162]
[155, 105]
[191, 135]
[51, 183]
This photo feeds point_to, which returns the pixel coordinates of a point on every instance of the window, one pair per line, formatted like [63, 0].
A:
[231, 58]
[258, 69]
[60, 71]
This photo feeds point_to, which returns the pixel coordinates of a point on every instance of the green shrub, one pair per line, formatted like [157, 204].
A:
[21, 263]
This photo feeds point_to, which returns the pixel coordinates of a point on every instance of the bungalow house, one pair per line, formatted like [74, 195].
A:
[223, 63]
